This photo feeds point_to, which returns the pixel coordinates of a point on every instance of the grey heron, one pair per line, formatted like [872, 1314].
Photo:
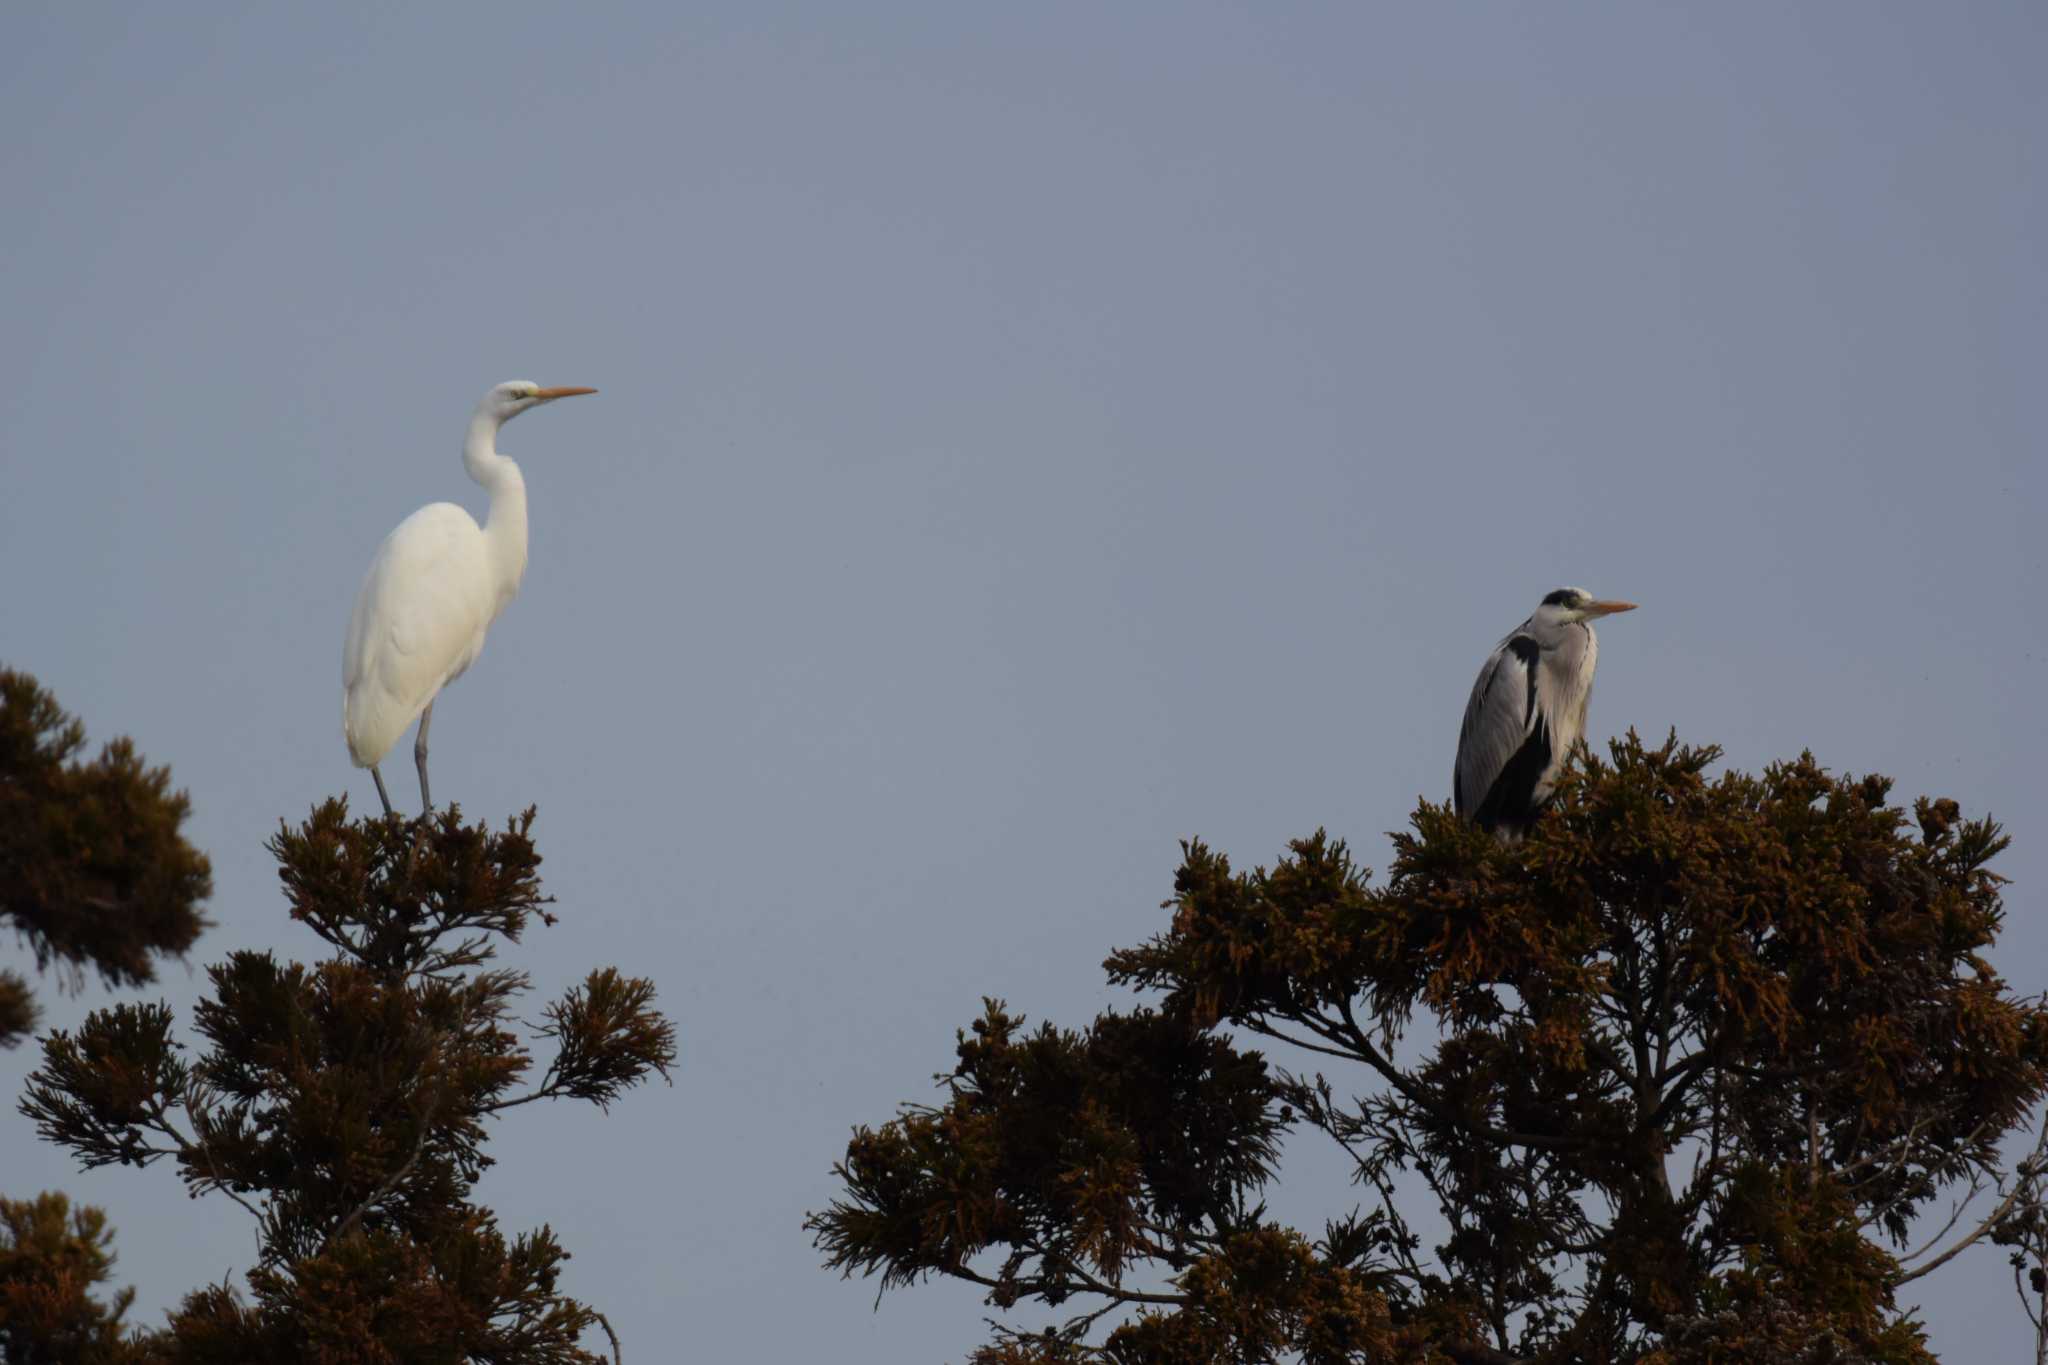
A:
[1527, 710]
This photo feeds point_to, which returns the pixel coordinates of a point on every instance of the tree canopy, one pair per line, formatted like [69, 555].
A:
[94, 871]
[345, 1103]
[1673, 1076]
[52, 1259]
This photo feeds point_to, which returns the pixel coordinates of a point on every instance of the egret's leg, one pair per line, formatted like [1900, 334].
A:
[382, 795]
[419, 758]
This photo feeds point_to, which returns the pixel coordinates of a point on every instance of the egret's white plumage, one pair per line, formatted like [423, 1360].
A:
[435, 586]
[1526, 711]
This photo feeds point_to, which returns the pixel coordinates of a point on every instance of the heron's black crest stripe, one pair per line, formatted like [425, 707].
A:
[1563, 597]
[1530, 653]
[1511, 800]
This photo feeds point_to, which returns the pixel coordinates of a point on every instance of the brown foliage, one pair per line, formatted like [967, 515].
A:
[346, 1103]
[1690, 1047]
[51, 1259]
[93, 870]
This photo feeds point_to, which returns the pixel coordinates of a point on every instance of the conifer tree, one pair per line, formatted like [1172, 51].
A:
[52, 1258]
[1676, 1073]
[94, 873]
[345, 1104]
[93, 869]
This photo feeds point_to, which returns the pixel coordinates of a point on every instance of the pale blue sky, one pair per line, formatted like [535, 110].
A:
[1028, 436]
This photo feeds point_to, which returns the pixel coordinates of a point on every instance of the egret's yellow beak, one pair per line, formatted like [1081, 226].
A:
[1608, 608]
[546, 394]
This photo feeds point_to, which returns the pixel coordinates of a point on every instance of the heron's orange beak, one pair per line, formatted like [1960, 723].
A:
[1608, 608]
[560, 393]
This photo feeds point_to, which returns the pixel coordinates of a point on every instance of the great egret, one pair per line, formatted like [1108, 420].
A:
[437, 583]
[1527, 710]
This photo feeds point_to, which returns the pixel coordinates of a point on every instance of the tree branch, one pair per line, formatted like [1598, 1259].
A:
[1421, 1098]
[2024, 1176]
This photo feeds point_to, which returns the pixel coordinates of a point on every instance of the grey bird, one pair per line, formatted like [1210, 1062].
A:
[1527, 710]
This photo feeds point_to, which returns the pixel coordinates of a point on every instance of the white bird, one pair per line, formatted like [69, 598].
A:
[1527, 710]
[437, 583]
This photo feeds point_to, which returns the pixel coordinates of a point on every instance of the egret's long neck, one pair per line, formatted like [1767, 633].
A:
[505, 524]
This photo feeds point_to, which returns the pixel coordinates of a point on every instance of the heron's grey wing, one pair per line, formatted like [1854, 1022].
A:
[1498, 719]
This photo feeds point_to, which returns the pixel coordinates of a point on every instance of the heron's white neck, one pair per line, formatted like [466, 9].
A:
[505, 523]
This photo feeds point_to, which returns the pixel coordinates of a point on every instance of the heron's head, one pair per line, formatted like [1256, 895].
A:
[1567, 605]
[515, 396]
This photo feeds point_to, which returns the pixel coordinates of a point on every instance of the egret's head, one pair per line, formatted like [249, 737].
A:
[515, 396]
[1566, 605]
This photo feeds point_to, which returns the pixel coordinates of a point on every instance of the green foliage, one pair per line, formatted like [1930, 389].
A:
[93, 870]
[345, 1103]
[1687, 1050]
[51, 1259]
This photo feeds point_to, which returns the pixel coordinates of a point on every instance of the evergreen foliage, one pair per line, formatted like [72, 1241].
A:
[52, 1257]
[1689, 1061]
[93, 870]
[345, 1103]
[93, 873]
